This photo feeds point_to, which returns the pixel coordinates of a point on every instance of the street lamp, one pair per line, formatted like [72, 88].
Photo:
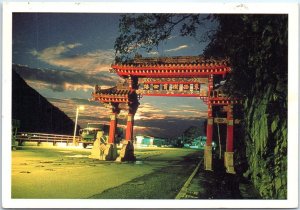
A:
[77, 112]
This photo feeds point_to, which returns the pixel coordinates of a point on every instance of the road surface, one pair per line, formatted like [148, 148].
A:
[61, 172]
[158, 173]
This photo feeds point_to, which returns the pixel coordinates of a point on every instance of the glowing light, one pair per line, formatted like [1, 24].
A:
[81, 108]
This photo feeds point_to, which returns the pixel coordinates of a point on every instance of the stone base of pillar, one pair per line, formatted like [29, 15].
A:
[229, 163]
[110, 152]
[102, 151]
[126, 152]
[208, 158]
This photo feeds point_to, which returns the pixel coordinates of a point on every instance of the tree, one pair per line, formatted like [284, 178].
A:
[190, 134]
[255, 44]
[146, 31]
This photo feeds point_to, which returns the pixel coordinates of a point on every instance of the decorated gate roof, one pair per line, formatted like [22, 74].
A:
[181, 76]
[111, 95]
[179, 66]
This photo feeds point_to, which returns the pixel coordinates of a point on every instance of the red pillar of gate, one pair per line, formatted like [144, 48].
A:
[129, 127]
[112, 127]
[127, 150]
[209, 129]
[228, 158]
[229, 139]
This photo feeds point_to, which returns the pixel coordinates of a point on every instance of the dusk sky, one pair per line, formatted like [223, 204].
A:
[68, 54]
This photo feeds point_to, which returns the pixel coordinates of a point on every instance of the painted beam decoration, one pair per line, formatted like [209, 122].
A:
[175, 89]
[170, 80]
[186, 87]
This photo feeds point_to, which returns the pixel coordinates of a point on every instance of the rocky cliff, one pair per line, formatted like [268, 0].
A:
[266, 140]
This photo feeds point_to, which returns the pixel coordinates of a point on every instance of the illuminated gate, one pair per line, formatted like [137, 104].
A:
[182, 76]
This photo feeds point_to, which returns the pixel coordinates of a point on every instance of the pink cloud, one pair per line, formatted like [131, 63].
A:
[91, 63]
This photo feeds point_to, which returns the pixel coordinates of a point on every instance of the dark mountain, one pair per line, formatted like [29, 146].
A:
[35, 113]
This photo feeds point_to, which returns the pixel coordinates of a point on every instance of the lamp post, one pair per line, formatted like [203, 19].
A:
[75, 129]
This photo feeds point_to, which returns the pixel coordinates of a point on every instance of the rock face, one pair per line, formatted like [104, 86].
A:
[35, 113]
[266, 140]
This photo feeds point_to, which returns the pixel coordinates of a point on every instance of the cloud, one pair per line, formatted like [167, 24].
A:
[169, 127]
[153, 53]
[171, 37]
[153, 124]
[185, 106]
[147, 107]
[54, 52]
[93, 112]
[177, 48]
[39, 85]
[70, 86]
[61, 56]
[148, 111]
[175, 111]
[59, 80]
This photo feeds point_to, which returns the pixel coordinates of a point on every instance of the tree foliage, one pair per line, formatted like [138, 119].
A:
[146, 31]
[257, 48]
[190, 134]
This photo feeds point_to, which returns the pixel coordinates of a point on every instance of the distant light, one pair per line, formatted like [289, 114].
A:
[81, 107]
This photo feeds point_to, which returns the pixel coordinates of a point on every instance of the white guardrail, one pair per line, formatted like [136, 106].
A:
[44, 137]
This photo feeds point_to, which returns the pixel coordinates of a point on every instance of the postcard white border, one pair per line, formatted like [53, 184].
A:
[150, 7]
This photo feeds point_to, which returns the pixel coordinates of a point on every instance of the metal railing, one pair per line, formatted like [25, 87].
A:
[44, 137]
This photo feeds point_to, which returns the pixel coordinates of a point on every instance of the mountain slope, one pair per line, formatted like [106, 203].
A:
[35, 113]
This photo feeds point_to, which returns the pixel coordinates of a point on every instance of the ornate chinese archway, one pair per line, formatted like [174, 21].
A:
[182, 76]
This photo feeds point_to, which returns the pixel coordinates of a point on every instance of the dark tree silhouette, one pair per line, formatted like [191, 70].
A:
[146, 31]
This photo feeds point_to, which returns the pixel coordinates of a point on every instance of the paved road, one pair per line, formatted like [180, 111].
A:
[54, 172]
[164, 182]
[158, 173]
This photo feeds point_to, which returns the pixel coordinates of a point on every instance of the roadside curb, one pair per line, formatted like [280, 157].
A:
[184, 189]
